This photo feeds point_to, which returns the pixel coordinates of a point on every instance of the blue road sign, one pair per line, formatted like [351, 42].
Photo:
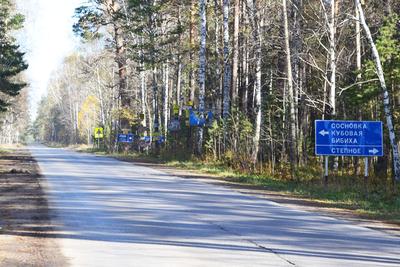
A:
[348, 138]
[125, 138]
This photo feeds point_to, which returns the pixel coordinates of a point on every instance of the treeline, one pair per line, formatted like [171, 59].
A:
[239, 81]
[14, 117]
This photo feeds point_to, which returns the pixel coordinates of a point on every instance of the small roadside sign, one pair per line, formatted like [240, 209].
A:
[176, 110]
[348, 138]
[189, 105]
[125, 138]
[98, 133]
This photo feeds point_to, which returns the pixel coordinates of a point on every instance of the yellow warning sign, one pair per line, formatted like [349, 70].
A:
[176, 110]
[98, 133]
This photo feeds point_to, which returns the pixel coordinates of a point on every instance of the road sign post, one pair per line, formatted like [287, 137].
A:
[366, 176]
[326, 172]
[348, 138]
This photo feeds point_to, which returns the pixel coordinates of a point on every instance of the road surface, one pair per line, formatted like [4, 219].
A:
[113, 213]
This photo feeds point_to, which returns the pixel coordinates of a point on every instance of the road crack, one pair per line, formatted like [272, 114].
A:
[222, 228]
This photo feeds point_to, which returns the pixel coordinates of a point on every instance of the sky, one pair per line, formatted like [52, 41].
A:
[47, 39]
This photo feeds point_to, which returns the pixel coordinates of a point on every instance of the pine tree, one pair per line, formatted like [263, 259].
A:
[11, 58]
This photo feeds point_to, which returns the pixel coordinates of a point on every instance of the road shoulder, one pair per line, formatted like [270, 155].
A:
[288, 200]
[27, 237]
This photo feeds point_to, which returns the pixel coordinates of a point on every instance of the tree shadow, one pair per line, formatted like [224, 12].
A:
[101, 199]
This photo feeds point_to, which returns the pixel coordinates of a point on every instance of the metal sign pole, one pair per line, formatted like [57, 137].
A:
[326, 172]
[366, 176]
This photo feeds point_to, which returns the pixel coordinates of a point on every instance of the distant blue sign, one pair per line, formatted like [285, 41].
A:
[348, 138]
[125, 138]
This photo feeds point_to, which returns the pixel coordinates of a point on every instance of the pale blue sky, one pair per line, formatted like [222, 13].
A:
[47, 39]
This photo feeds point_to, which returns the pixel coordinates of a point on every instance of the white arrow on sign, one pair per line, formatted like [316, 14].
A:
[323, 132]
[373, 151]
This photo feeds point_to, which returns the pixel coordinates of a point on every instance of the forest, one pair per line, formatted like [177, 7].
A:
[238, 82]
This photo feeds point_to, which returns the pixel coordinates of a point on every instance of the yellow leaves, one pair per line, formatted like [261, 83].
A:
[125, 114]
[88, 113]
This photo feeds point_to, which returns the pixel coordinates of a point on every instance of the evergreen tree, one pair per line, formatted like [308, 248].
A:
[11, 58]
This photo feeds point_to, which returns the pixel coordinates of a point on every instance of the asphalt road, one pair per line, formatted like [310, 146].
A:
[113, 213]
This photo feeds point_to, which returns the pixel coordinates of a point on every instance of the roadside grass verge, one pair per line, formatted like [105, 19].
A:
[6, 149]
[343, 191]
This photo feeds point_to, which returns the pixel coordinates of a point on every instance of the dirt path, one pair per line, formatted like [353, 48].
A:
[282, 198]
[25, 238]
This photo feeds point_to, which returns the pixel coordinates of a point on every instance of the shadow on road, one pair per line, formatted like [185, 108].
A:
[101, 199]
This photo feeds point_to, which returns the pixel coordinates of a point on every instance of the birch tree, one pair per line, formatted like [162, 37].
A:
[202, 71]
[235, 52]
[332, 57]
[292, 115]
[227, 65]
[256, 34]
[386, 97]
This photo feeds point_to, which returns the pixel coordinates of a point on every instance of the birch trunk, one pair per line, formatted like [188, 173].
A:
[101, 98]
[235, 59]
[227, 65]
[245, 92]
[218, 63]
[386, 100]
[202, 71]
[297, 44]
[166, 98]
[359, 76]
[156, 124]
[143, 91]
[292, 114]
[179, 70]
[191, 40]
[256, 32]
[332, 56]
[179, 83]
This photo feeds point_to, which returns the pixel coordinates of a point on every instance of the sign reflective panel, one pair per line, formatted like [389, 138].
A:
[98, 133]
[125, 138]
[348, 138]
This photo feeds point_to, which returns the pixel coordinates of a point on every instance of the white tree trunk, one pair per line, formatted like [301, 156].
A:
[155, 102]
[386, 100]
[292, 114]
[143, 92]
[255, 22]
[358, 47]
[192, 45]
[101, 98]
[202, 71]
[218, 81]
[332, 55]
[166, 98]
[235, 59]
[178, 84]
[227, 65]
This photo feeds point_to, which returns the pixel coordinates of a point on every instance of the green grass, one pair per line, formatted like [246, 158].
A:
[3, 151]
[345, 192]
[6, 149]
